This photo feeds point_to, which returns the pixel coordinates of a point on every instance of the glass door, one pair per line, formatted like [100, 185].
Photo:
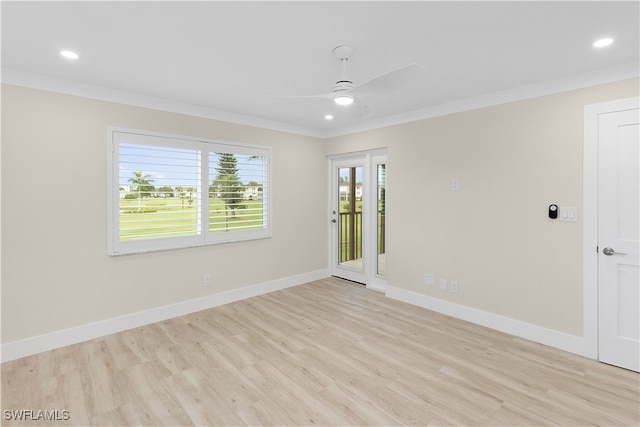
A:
[357, 218]
[348, 217]
[381, 189]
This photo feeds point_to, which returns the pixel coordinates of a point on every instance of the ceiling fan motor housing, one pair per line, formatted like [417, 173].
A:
[342, 86]
[344, 83]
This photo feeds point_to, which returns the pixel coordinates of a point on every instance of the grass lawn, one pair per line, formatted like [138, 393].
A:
[173, 217]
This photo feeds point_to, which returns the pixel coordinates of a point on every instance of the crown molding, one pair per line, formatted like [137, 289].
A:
[565, 84]
[67, 87]
[573, 82]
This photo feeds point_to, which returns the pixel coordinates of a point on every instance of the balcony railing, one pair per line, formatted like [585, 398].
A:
[351, 235]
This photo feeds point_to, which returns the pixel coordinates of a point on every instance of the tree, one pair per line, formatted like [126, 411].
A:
[190, 190]
[166, 191]
[144, 187]
[227, 184]
[182, 194]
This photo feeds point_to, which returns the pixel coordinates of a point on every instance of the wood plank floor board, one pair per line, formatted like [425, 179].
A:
[609, 378]
[308, 376]
[205, 408]
[352, 409]
[290, 402]
[600, 412]
[327, 353]
[293, 392]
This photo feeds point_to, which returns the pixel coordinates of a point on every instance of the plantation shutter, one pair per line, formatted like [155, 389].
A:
[238, 196]
[169, 192]
[159, 190]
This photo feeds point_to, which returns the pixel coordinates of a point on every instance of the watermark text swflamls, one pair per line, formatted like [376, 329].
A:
[36, 415]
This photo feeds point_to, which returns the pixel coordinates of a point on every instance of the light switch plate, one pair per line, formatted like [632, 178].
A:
[568, 214]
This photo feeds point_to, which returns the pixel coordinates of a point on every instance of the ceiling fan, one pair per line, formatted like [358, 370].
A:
[345, 92]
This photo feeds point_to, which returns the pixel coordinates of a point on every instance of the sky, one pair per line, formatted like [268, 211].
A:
[345, 173]
[177, 167]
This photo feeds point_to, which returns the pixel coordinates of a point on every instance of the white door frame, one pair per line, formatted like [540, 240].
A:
[590, 219]
[376, 281]
[368, 159]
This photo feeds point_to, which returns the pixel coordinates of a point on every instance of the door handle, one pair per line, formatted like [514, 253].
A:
[334, 220]
[611, 251]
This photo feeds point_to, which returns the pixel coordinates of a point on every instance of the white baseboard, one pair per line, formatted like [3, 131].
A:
[38, 344]
[550, 337]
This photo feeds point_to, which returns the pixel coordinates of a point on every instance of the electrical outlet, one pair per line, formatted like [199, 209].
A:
[428, 279]
[453, 286]
[206, 280]
[443, 285]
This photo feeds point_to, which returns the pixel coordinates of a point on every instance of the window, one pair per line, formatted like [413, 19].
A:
[170, 192]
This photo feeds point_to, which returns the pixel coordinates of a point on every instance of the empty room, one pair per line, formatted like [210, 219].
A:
[321, 213]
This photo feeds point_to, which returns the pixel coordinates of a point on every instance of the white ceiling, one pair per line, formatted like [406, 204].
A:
[222, 56]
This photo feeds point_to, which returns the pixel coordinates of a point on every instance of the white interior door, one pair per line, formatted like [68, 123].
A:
[618, 239]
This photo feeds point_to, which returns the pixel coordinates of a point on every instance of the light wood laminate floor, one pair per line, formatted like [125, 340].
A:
[326, 353]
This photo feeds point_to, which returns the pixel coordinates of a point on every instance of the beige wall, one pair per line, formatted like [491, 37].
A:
[56, 273]
[493, 235]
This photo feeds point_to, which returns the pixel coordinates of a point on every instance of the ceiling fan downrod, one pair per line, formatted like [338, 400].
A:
[344, 83]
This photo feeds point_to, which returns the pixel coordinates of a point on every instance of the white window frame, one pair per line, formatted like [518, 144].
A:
[203, 237]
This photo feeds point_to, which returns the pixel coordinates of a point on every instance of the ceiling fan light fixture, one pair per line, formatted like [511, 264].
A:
[344, 99]
[603, 42]
[69, 54]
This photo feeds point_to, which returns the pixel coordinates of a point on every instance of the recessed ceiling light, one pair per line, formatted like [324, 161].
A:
[328, 117]
[603, 42]
[69, 54]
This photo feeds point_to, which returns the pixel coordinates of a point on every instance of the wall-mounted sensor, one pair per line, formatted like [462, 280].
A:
[553, 211]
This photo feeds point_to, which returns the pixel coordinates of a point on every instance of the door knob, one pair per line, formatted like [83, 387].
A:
[611, 251]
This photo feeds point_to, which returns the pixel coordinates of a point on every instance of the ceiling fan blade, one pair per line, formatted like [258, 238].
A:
[354, 111]
[322, 95]
[363, 112]
[392, 80]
